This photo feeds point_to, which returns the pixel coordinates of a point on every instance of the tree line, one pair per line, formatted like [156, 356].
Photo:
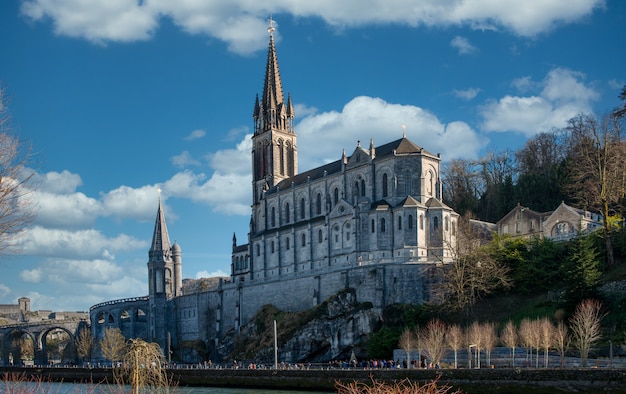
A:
[540, 335]
[582, 164]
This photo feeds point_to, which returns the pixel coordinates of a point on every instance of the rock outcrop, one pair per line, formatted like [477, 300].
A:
[330, 331]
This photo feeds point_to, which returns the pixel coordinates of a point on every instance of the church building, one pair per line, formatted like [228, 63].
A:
[380, 204]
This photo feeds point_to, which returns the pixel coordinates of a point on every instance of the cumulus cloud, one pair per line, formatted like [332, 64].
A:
[128, 202]
[238, 24]
[365, 118]
[54, 182]
[86, 244]
[563, 95]
[463, 45]
[74, 210]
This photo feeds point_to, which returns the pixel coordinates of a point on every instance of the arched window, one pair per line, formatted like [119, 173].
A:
[320, 236]
[382, 225]
[287, 218]
[362, 188]
[303, 239]
[273, 217]
[410, 222]
[287, 243]
[373, 225]
[318, 203]
[385, 180]
[399, 222]
[302, 209]
[453, 228]
[421, 222]
[272, 246]
[281, 155]
[436, 223]
[258, 250]
[336, 196]
[446, 223]
[431, 183]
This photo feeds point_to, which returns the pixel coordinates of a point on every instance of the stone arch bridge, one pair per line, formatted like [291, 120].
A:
[38, 331]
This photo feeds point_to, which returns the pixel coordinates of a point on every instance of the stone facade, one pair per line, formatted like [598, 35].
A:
[562, 224]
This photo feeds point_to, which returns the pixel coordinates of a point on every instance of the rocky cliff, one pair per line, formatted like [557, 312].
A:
[330, 331]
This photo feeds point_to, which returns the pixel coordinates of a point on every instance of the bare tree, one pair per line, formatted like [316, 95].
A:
[407, 343]
[546, 338]
[84, 343]
[530, 339]
[475, 340]
[113, 345]
[490, 339]
[510, 339]
[473, 272]
[455, 340]
[585, 327]
[461, 186]
[16, 204]
[561, 340]
[433, 340]
[598, 154]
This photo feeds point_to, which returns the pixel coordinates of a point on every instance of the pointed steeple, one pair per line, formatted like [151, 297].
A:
[160, 239]
[272, 113]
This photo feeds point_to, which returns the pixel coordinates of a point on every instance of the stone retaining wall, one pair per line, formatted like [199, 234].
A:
[499, 380]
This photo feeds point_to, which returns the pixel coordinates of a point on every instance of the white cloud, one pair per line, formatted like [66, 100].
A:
[365, 118]
[74, 210]
[32, 276]
[563, 95]
[184, 159]
[79, 244]
[239, 22]
[207, 274]
[226, 193]
[54, 182]
[467, 94]
[463, 45]
[127, 202]
[4, 291]
[195, 135]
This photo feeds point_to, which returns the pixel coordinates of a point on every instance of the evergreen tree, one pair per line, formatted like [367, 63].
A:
[583, 268]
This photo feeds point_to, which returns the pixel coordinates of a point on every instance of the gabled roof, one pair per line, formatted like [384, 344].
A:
[434, 203]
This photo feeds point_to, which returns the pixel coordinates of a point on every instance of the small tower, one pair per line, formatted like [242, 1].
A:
[274, 150]
[164, 279]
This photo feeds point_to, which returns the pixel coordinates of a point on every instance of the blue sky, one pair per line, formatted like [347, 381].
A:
[120, 98]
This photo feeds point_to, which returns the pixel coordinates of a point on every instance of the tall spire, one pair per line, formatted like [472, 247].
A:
[161, 238]
[272, 113]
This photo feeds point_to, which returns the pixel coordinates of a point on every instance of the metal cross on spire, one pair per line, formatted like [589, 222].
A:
[271, 28]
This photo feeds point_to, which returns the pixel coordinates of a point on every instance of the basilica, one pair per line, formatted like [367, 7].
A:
[372, 222]
[379, 204]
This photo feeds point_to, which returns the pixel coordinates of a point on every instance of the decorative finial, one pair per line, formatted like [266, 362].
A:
[271, 28]
[159, 191]
[403, 130]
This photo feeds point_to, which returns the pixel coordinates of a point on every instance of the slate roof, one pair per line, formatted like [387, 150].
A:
[402, 146]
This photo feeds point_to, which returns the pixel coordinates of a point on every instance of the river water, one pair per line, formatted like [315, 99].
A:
[75, 388]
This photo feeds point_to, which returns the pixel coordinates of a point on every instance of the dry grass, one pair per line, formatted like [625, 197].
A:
[403, 387]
